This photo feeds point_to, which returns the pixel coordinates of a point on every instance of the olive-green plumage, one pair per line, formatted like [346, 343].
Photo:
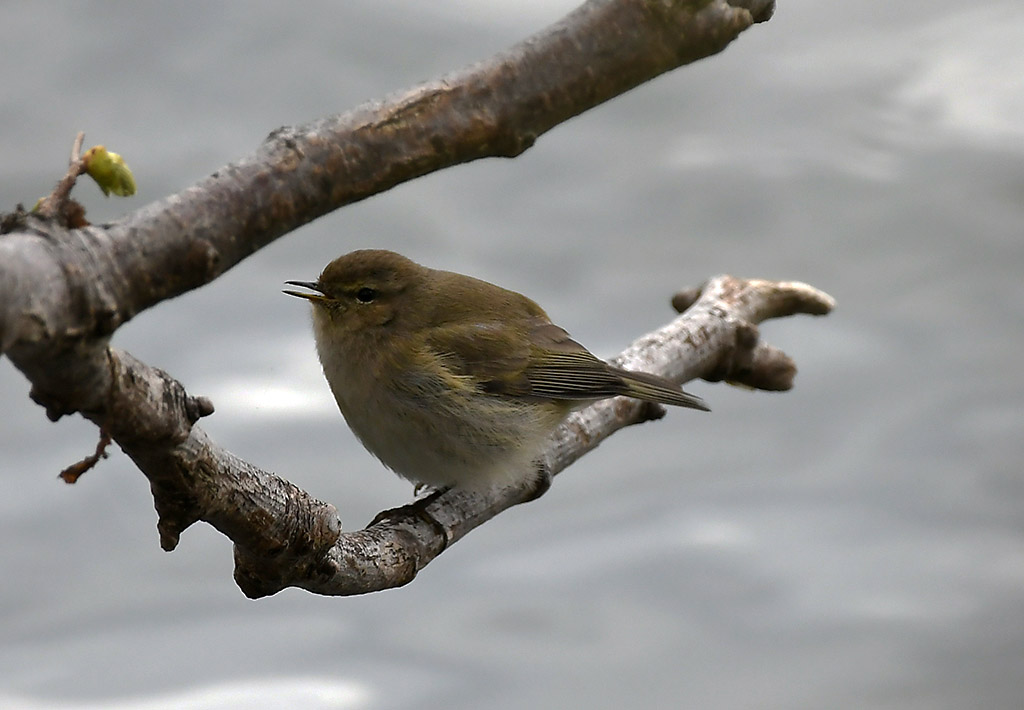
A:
[450, 380]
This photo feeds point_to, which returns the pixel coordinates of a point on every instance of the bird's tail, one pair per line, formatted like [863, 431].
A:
[652, 388]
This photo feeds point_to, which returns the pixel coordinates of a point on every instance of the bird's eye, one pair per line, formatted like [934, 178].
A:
[366, 294]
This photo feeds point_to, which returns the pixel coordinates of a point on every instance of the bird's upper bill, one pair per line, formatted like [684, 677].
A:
[315, 297]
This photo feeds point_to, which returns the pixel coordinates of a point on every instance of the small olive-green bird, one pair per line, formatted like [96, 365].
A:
[450, 380]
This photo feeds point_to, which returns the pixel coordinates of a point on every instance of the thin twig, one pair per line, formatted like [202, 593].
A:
[54, 204]
[73, 472]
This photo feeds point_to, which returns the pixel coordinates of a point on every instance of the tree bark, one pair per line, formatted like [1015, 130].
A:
[64, 292]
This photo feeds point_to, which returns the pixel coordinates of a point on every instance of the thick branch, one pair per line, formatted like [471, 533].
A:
[495, 108]
[63, 293]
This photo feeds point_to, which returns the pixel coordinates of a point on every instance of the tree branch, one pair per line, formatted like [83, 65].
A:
[63, 293]
[496, 108]
[283, 537]
[389, 553]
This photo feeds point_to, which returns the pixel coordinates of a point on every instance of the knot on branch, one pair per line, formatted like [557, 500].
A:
[176, 508]
[198, 407]
[750, 363]
[743, 304]
[291, 550]
[760, 10]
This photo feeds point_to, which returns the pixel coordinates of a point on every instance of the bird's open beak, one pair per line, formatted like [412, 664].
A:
[315, 297]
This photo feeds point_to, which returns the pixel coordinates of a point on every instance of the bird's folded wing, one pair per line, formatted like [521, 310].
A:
[543, 362]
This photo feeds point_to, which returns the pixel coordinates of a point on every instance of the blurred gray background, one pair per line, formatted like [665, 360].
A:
[855, 543]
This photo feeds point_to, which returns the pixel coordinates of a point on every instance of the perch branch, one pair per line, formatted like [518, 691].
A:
[721, 323]
[63, 293]
[283, 537]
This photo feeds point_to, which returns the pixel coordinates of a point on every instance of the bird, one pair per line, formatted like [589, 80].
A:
[449, 380]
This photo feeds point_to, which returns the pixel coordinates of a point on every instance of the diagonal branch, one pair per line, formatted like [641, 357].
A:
[496, 108]
[721, 324]
[283, 537]
[63, 293]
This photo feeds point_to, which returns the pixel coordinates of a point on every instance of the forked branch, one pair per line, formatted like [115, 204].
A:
[64, 292]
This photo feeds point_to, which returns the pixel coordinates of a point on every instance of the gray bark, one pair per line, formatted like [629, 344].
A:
[64, 291]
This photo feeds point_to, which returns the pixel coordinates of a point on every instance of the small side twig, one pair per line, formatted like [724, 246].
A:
[73, 472]
[57, 203]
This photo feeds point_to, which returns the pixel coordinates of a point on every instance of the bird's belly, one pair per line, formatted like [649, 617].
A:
[430, 439]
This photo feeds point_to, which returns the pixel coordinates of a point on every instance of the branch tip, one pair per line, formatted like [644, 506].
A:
[760, 10]
[787, 298]
[76, 149]
[72, 473]
[198, 407]
[652, 412]
[58, 205]
[686, 298]
[170, 535]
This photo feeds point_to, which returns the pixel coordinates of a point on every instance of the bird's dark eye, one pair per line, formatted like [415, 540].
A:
[366, 294]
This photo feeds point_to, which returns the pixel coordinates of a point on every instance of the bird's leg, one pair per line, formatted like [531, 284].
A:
[416, 509]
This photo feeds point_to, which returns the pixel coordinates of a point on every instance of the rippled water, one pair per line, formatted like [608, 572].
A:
[858, 542]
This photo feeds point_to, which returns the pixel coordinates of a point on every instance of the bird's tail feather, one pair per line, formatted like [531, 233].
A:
[652, 388]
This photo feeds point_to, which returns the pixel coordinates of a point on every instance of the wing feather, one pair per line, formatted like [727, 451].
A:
[547, 364]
